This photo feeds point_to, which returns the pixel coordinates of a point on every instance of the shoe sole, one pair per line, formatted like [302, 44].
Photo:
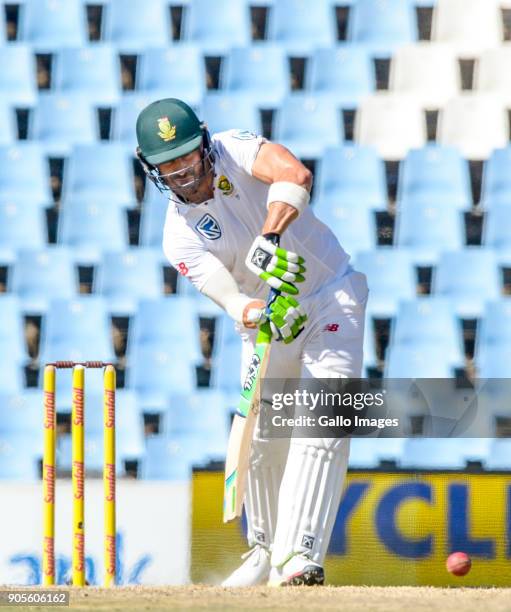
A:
[311, 575]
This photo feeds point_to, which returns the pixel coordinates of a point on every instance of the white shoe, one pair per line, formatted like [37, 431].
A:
[255, 569]
[299, 570]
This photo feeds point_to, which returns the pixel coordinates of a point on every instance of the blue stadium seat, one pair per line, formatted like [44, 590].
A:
[438, 453]
[354, 227]
[496, 184]
[21, 412]
[428, 230]
[90, 225]
[41, 275]
[499, 457]
[428, 321]
[493, 361]
[125, 118]
[133, 26]
[8, 130]
[77, 321]
[18, 75]
[260, 71]
[155, 372]
[368, 452]
[99, 173]
[344, 74]
[21, 226]
[391, 277]
[469, 277]
[11, 375]
[370, 354]
[300, 29]
[25, 175]
[164, 460]
[18, 457]
[226, 357]
[169, 321]
[434, 175]
[224, 112]
[3, 33]
[383, 26]
[308, 125]
[125, 277]
[93, 72]
[12, 335]
[418, 361]
[186, 65]
[50, 24]
[352, 175]
[495, 325]
[497, 227]
[200, 416]
[153, 215]
[217, 26]
[60, 121]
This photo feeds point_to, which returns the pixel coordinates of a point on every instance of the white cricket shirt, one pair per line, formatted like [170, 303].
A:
[200, 239]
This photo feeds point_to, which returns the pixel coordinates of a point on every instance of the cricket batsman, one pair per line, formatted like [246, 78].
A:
[229, 195]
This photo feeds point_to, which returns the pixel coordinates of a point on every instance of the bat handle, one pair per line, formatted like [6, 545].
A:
[274, 293]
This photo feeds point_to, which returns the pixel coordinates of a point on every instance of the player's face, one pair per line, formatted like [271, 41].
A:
[189, 176]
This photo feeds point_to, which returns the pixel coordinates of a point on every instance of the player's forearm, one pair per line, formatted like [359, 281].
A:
[280, 215]
[290, 184]
[224, 291]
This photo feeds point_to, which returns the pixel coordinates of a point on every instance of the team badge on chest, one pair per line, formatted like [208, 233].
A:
[225, 185]
[208, 227]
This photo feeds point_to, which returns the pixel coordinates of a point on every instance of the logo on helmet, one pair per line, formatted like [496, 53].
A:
[225, 185]
[167, 130]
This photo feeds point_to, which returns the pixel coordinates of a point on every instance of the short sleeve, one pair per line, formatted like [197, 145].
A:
[190, 258]
[241, 146]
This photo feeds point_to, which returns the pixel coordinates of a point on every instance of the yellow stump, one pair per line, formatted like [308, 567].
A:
[78, 476]
[49, 469]
[109, 475]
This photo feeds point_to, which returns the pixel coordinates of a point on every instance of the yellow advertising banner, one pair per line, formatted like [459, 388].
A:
[391, 529]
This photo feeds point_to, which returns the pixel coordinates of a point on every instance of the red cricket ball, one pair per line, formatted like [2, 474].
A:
[458, 563]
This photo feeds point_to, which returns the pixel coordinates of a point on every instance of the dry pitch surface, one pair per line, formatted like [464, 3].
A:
[347, 599]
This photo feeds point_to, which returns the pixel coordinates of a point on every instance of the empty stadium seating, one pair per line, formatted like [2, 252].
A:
[217, 26]
[470, 25]
[51, 24]
[344, 74]
[391, 277]
[391, 123]
[383, 26]
[469, 277]
[24, 175]
[175, 72]
[93, 218]
[434, 175]
[91, 71]
[260, 72]
[351, 175]
[474, 123]
[18, 75]
[133, 26]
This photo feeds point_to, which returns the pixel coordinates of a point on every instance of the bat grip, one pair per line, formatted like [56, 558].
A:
[274, 293]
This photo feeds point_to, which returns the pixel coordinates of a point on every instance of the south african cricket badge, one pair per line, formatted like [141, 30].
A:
[225, 185]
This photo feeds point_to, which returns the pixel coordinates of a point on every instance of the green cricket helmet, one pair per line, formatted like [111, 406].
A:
[168, 129]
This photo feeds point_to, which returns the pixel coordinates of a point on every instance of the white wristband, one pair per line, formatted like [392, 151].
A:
[289, 193]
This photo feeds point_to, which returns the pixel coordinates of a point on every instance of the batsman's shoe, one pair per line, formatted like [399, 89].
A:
[253, 571]
[299, 570]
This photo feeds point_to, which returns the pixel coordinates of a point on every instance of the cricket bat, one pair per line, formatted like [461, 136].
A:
[242, 429]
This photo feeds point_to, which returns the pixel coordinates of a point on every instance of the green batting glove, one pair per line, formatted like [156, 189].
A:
[287, 318]
[279, 268]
